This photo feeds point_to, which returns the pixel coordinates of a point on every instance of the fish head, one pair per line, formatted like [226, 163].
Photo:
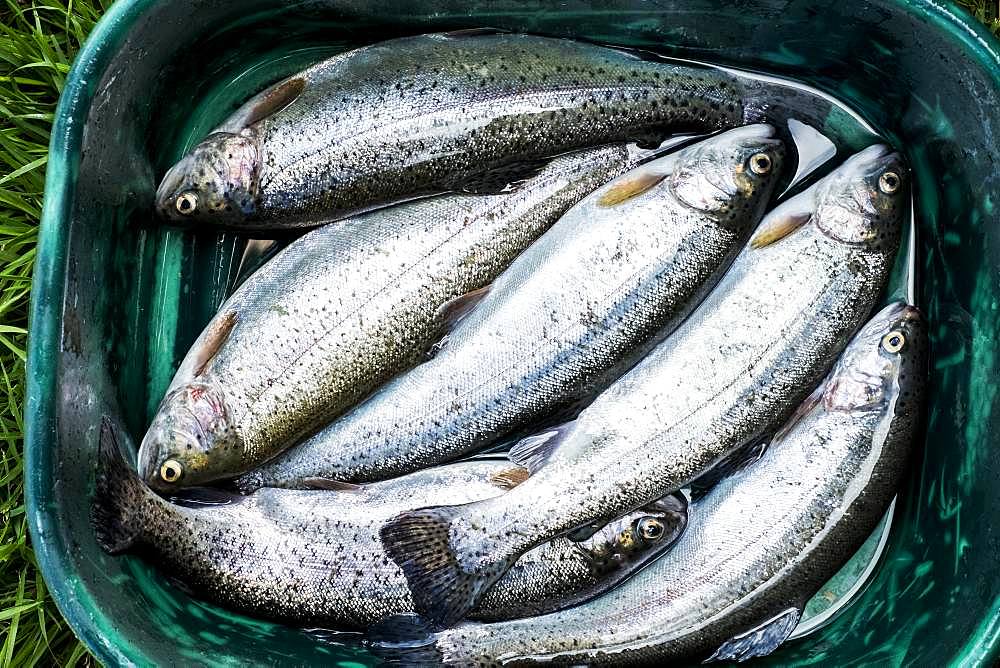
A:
[632, 540]
[216, 182]
[881, 363]
[863, 201]
[191, 440]
[730, 175]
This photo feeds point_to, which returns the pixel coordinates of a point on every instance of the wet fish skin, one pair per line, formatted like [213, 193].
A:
[341, 310]
[314, 557]
[568, 572]
[427, 114]
[770, 330]
[769, 536]
[568, 317]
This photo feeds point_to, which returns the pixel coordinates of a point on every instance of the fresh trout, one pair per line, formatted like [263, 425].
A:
[767, 538]
[314, 557]
[430, 114]
[340, 311]
[736, 368]
[568, 317]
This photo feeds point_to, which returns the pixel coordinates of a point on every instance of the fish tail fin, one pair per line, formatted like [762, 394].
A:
[117, 496]
[421, 543]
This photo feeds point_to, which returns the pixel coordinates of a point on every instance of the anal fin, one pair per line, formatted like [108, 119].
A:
[760, 640]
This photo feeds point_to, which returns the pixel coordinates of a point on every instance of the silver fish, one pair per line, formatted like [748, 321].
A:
[340, 311]
[430, 114]
[736, 368]
[761, 543]
[567, 318]
[314, 557]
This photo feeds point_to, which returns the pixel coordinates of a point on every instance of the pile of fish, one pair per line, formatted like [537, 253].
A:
[554, 377]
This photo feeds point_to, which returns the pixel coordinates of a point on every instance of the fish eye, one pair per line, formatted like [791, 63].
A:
[651, 528]
[760, 163]
[171, 470]
[186, 203]
[893, 342]
[889, 182]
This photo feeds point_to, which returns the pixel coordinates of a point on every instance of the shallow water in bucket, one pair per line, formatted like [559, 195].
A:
[154, 290]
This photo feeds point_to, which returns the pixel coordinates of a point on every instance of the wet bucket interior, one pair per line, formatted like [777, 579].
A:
[118, 300]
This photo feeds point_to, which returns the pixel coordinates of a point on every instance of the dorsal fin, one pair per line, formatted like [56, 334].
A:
[532, 452]
[216, 336]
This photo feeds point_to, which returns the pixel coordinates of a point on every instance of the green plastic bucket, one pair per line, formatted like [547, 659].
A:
[117, 300]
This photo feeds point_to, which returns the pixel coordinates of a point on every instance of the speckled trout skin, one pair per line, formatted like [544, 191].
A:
[428, 114]
[340, 311]
[761, 543]
[736, 368]
[314, 557]
[568, 317]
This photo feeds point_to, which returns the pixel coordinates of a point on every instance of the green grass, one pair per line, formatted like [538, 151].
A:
[987, 11]
[37, 43]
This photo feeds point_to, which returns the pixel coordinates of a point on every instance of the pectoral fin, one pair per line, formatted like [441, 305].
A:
[758, 641]
[776, 228]
[628, 187]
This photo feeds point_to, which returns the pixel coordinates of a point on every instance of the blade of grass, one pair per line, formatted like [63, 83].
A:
[37, 43]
